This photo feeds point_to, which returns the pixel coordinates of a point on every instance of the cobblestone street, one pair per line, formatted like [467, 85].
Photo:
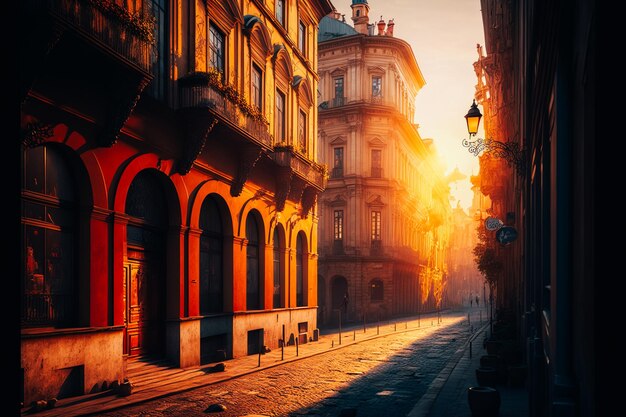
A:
[383, 376]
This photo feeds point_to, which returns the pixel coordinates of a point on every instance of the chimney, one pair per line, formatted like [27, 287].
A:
[390, 28]
[381, 27]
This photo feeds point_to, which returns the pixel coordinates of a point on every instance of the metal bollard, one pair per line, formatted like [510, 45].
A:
[296, 346]
[470, 349]
[282, 347]
[354, 335]
[394, 327]
[377, 329]
[332, 345]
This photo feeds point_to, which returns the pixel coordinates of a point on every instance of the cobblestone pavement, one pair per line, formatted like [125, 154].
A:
[380, 377]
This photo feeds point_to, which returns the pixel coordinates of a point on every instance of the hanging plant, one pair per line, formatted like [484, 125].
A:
[213, 78]
[139, 24]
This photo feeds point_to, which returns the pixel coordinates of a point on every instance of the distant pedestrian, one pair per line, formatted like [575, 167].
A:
[477, 303]
[346, 299]
[471, 301]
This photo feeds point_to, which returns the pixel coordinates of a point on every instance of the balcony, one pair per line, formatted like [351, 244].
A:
[335, 102]
[105, 25]
[337, 172]
[200, 91]
[377, 172]
[377, 247]
[309, 171]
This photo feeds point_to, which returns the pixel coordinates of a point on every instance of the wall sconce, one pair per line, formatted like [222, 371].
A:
[509, 151]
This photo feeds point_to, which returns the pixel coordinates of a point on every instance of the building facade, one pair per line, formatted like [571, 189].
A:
[383, 231]
[537, 85]
[169, 184]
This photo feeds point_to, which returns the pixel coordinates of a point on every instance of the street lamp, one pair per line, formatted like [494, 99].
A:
[506, 150]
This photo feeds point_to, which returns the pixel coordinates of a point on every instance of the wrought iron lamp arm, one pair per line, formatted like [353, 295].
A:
[511, 151]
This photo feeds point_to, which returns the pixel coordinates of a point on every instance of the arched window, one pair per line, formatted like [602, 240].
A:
[300, 264]
[49, 238]
[277, 269]
[253, 282]
[211, 258]
[376, 291]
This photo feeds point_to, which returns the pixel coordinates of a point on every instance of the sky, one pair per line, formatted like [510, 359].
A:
[443, 35]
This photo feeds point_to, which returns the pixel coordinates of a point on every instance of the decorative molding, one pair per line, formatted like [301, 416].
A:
[309, 197]
[35, 133]
[375, 200]
[339, 140]
[283, 186]
[120, 106]
[247, 160]
[198, 125]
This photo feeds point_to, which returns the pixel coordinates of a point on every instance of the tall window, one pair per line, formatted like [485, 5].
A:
[253, 282]
[299, 271]
[338, 225]
[280, 11]
[158, 8]
[217, 47]
[302, 37]
[337, 163]
[376, 86]
[49, 231]
[211, 257]
[280, 116]
[277, 270]
[376, 290]
[376, 226]
[338, 100]
[377, 169]
[257, 87]
[302, 130]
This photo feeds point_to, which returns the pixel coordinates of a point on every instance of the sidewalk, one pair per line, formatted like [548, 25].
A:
[447, 395]
[157, 382]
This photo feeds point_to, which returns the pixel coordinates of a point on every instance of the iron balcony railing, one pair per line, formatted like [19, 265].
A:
[110, 27]
[308, 170]
[196, 91]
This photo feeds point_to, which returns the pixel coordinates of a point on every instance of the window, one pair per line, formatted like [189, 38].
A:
[376, 226]
[280, 116]
[299, 271]
[277, 270]
[339, 99]
[376, 291]
[337, 163]
[211, 249]
[253, 282]
[280, 11]
[257, 87]
[358, 13]
[158, 8]
[49, 235]
[217, 49]
[302, 130]
[377, 169]
[338, 225]
[376, 86]
[302, 37]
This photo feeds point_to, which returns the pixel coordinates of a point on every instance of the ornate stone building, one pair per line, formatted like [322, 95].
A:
[383, 217]
[169, 184]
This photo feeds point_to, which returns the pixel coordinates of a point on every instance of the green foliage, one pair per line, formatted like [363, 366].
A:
[487, 260]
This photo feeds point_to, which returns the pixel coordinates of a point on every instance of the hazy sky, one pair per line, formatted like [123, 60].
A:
[443, 35]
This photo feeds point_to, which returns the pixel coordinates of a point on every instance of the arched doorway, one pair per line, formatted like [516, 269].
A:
[338, 292]
[146, 207]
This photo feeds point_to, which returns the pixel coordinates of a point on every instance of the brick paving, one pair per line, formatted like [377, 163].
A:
[405, 370]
